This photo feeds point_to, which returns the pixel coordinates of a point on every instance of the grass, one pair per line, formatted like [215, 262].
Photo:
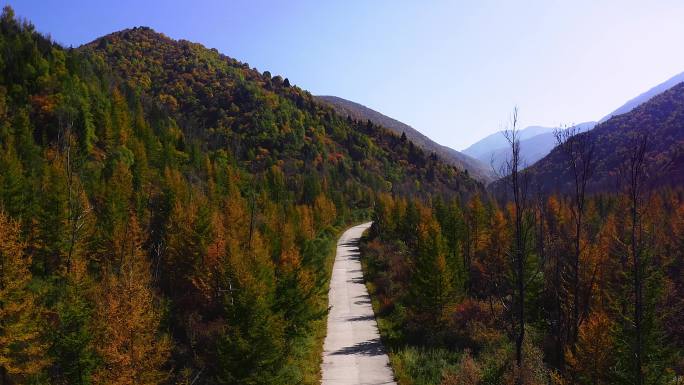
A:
[411, 365]
[422, 366]
[310, 348]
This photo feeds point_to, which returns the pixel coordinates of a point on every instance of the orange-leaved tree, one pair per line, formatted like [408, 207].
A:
[22, 346]
[130, 345]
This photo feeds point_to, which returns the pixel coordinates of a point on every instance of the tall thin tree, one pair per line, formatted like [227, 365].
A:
[578, 149]
[518, 187]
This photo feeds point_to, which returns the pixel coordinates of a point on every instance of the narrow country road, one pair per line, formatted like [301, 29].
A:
[353, 353]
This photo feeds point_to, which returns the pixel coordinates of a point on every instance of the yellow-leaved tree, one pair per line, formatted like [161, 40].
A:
[22, 347]
[130, 345]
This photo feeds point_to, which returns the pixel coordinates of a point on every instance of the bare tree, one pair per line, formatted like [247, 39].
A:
[578, 149]
[518, 185]
[635, 171]
[78, 207]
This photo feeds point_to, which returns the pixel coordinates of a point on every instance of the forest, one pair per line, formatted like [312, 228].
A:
[169, 215]
[572, 288]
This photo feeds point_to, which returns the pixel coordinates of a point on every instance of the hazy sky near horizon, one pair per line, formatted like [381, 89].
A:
[451, 69]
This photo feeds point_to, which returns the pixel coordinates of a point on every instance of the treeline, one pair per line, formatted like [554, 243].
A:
[602, 307]
[142, 242]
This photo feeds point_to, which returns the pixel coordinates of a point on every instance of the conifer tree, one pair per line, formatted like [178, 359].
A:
[252, 349]
[22, 343]
[297, 290]
[432, 280]
[12, 183]
[130, 344]
[73, 345]
[72, 340]
[52, 225]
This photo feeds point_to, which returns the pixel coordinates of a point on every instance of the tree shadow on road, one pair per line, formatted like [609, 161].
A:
[366, 348]
[357, 280]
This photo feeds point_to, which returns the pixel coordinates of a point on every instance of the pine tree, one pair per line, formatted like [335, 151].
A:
[24, 142]
[252, 349]
[73, 344]
[641, 345]
[297, 291]
[432, 280]
[22, 344]
[593, 356]
[72, 340]
[128, 317]
[12, 183]
[120, 118]
[52, 227]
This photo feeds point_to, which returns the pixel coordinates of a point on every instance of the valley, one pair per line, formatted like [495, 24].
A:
[171, 215]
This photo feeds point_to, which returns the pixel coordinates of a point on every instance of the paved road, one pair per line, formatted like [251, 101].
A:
[353, 353]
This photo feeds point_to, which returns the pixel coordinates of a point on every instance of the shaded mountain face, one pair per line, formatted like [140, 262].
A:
[646, 96]
[263, 120]
[535, 143]
[476, 169]
[661, 120]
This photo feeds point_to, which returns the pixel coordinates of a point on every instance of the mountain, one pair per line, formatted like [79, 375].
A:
[538, 141]
[483, 149]
[535, 143]
[661, 119]
[223, 102]
[631, 104]
[169, 214]
[476, 169]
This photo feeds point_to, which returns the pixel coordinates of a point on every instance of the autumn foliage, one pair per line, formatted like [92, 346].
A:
[441, 298]
[169, 214]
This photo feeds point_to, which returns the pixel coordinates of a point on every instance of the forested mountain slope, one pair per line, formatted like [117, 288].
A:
[646, 96]
[262, 118]
[660, 121]
[476, 169]
[167, 214]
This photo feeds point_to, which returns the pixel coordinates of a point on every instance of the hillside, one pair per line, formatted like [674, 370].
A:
[169, 215]
[646, 96]
[223, 102]
[478, 170]
[661, 119]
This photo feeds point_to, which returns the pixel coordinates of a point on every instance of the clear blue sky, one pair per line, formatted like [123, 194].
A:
[452, 69]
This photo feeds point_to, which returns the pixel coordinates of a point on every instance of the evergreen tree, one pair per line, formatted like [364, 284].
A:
[73, 345]
[13, 188]
[52, 233]
[432, 280]
[252, 350]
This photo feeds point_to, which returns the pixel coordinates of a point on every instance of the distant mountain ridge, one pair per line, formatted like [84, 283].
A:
[483, 148]
[476, 169]
[535, 143]
[646, 96]
[661, 117]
